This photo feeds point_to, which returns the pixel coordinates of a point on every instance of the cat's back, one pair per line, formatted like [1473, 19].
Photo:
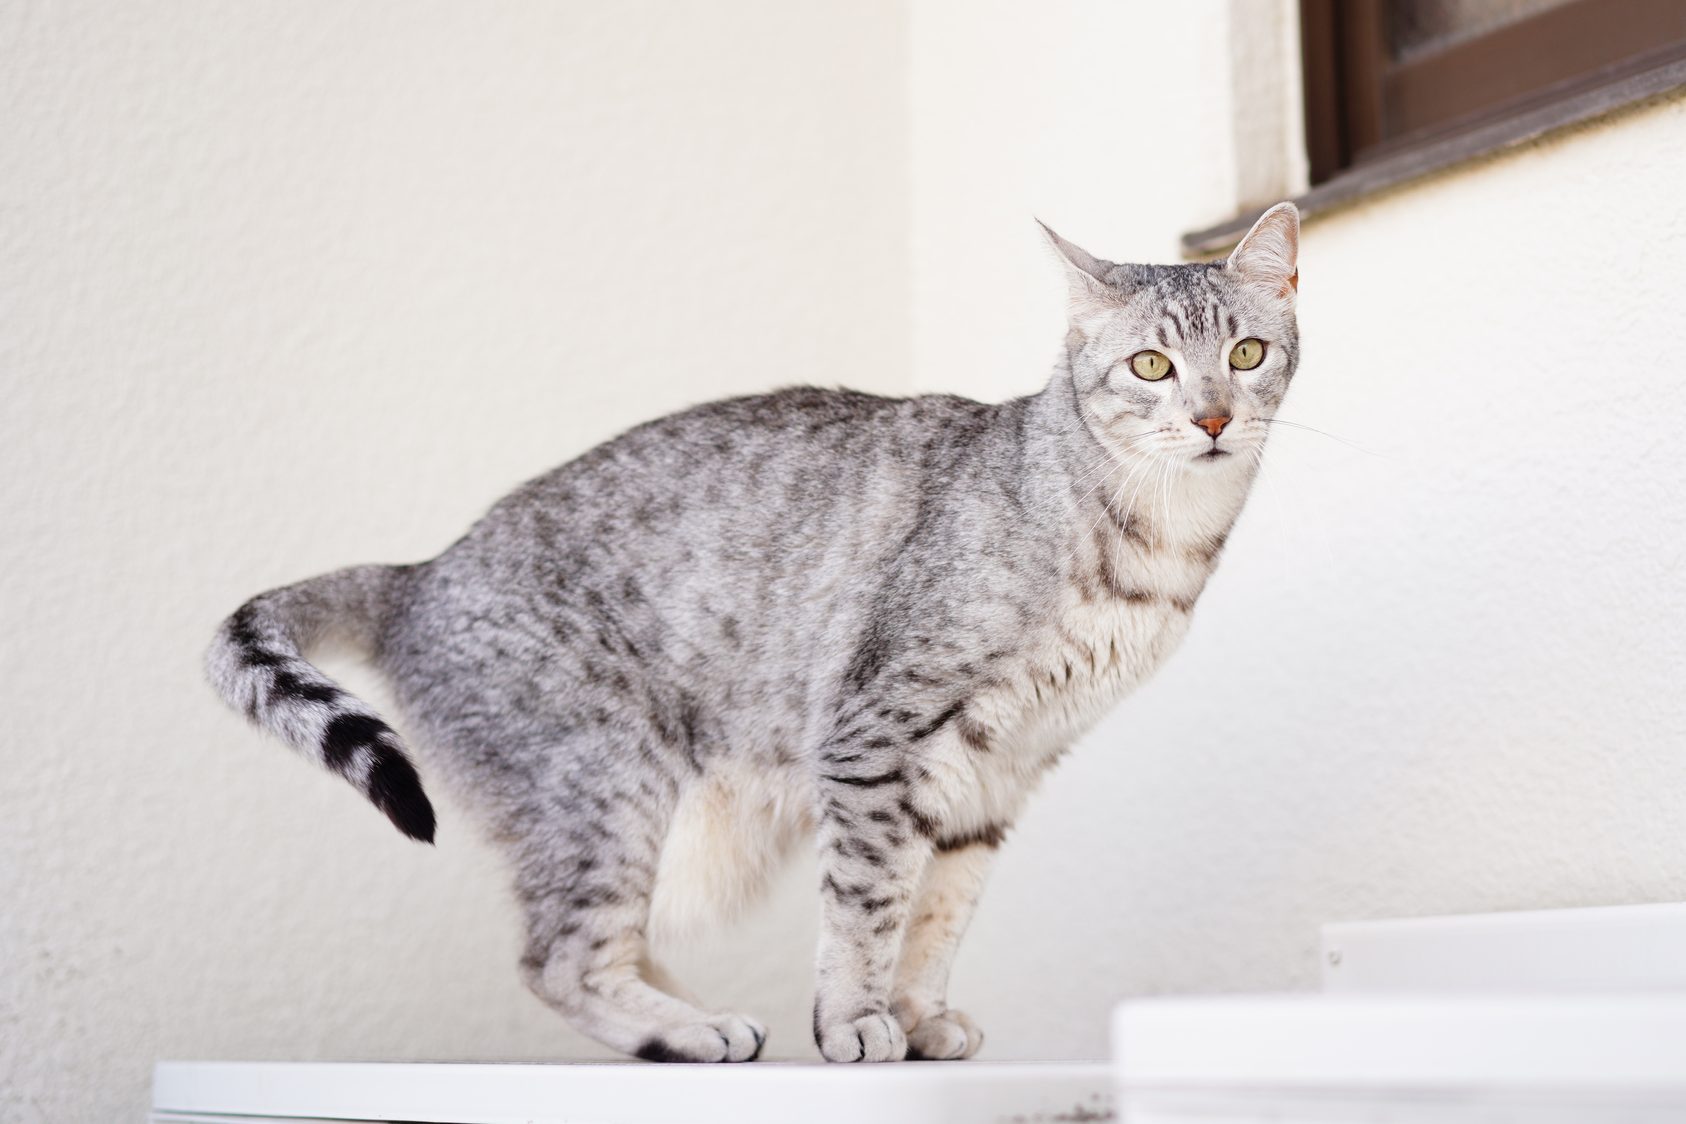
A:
[845, 433]
[765, 496]
[803, 453]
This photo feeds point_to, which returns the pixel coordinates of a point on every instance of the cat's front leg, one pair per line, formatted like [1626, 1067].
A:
[873, 855]
[943, 909]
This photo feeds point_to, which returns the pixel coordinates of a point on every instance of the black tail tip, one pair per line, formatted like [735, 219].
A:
[396, 790]
[414, 819]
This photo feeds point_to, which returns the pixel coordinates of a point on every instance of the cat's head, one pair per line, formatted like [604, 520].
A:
[1186, 362]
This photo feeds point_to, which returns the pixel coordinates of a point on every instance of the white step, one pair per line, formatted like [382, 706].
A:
[1615, 948]
[1550, 1017]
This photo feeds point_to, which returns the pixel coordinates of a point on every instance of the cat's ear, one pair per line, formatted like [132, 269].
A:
[1269, 254]
[1085, 274]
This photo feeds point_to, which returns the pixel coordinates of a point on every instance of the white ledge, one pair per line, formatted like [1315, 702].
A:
[633, 1092]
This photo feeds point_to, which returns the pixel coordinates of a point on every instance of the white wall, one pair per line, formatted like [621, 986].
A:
[285, 286]
[1445, 677]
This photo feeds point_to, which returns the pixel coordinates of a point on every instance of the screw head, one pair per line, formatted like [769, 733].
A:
[1334, 958]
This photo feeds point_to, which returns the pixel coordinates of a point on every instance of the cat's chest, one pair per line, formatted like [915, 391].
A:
[1057, 688]
[1102, 638]
[1115, 622]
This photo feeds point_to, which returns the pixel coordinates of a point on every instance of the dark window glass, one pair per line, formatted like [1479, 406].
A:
[1383, 76]
[1424, 26]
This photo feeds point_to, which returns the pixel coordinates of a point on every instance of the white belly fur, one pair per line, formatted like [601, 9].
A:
[730, 832]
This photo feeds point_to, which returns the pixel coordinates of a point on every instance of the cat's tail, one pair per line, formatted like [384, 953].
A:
[257, 665]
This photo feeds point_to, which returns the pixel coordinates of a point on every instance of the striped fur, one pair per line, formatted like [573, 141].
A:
[257, 664]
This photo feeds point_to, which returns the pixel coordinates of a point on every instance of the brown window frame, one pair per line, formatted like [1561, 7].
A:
[1373, 122]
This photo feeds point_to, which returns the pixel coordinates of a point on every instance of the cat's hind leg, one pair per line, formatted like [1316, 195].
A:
[601, 990]
[586, 859]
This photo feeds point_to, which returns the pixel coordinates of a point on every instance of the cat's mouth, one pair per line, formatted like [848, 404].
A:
[1212, 454]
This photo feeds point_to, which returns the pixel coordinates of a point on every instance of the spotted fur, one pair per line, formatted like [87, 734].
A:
[872, 623]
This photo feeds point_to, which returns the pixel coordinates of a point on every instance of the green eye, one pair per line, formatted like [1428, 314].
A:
[1247, 354]
[1150, 365]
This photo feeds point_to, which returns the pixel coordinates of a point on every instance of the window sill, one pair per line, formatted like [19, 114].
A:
[1577, 106]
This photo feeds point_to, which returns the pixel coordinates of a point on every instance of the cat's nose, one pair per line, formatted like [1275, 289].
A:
[1213, 425]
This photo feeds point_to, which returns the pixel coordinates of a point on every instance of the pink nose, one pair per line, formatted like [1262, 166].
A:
[1212, 425]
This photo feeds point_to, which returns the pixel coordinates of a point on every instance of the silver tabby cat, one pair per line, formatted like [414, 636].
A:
[868, 622]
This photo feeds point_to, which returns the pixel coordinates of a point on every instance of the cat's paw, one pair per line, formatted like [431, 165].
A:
[724, 1038]
[944, 1036]
[870, 1038]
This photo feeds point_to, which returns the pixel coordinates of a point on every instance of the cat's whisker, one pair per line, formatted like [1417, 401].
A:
[1112, 464]
[1143, 492]
[1130, 508]
[1165, 494]
[1129, 511]
[1313, 429]
[1138, 466]
[1108, 466]
[1136, 470]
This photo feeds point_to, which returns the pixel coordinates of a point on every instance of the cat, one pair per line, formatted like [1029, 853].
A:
[869, 622]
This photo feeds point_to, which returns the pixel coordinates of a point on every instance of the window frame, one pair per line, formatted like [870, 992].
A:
[1373, 123]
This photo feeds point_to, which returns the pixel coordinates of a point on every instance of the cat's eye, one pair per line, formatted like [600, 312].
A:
[1247, 354]
[1150, 365]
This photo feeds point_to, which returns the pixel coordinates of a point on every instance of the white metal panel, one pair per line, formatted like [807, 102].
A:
[634, 1093]
[1620, 948]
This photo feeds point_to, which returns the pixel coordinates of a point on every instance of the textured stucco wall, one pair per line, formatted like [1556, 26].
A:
[286, 286]
[1442, 678]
